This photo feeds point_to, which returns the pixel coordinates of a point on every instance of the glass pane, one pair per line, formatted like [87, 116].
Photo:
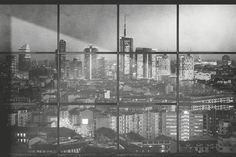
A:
[34, 25]
[149, 26]
[207, 78]
[87, 129]
[88, 78]
[208, 129]
[33, 128]
[207, 28]
[146, 77]
[28, 78]
[83, 25]
[148, 129]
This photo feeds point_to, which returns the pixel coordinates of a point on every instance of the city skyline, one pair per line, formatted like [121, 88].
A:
[158, 32]
[88, 102]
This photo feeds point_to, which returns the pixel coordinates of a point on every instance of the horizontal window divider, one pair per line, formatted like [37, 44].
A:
[26, 103]
[161, 52]
[34, 154]
[103, 154]
[214, 104]
[114, 2]
[81, 52]
[205, 52]
[87, 104]
[16, 53]
[146, 104]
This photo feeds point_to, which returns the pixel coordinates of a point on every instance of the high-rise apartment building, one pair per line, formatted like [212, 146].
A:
[145, 63]
[126, 60]
[186, 67]
[11, 61]
[163, 65]
[190, 124]
[62, 49]
[144, 123]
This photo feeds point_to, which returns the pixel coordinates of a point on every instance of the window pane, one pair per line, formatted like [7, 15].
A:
[207, 28]
[28, 78]
[88, 78]
[87, 129]
[149, 26]
[33, 128]
[83, 25]
[207, 78]
[207, 129]
[147, 77]
[34, 25]
[148, 129]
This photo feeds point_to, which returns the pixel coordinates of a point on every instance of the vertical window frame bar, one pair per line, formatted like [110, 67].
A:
[117, 75]
[58, 78]
[177, 73]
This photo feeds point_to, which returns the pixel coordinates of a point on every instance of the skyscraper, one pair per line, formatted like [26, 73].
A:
[144, 65]
[126, 60]
[24, 58]
[163, 66]
[90, 62]
[190, 124]
[11, 61]
[62, 48]
[101, 73]
[186, 67]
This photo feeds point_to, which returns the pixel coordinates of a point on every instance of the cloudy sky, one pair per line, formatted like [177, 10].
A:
[202, 28]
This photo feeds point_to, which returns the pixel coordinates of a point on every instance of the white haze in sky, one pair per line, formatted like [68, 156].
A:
[202, 27]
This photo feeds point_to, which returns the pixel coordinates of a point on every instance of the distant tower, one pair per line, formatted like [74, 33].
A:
[62, 48]
[11, 61]
[226, 60]
[164, 65]
[90, 60]
[101, 73]
[24, 58]
[126, 60]
[62, 45]
[144, 69]
[186, 67]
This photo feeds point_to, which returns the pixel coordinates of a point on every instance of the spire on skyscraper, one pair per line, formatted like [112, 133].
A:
[125, 26]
